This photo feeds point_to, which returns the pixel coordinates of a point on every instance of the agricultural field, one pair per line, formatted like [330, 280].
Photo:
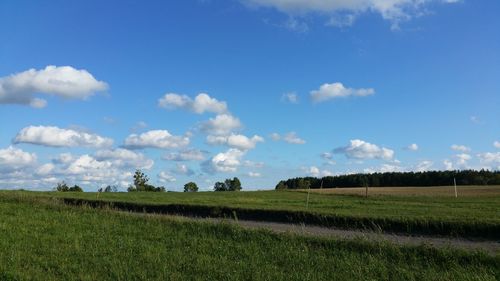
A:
[474, 202]
[42, 239]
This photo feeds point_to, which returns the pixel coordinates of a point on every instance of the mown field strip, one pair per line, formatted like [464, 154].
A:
[471, 230]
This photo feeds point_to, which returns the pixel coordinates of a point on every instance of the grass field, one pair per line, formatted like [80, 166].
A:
[41, 239]
[446, 191]
[475, 216]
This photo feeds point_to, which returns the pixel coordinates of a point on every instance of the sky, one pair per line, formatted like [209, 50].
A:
[262, 90]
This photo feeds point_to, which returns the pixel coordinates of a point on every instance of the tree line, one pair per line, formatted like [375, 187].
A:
[141, 184]
[394, 179]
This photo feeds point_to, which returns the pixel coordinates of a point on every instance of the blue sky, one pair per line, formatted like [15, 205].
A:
[259, 89]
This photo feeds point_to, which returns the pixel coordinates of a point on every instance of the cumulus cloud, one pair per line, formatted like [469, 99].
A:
[461, 148]
[384, 168]
[317, 172]
[221, 125]
[496, 144]
[236, 141]
[186, 155]
[490, 158]
[290, 98]
[254, 174]
[412, 147]
[248, 163]
[12, 158]
[359, 149]
[183, 170]
[124, 158]
[64, 81]
[156, 139]
[424, 165]
[201, 103]
[337, 90]
[57, 137]
[345, 12]
[462, 158]
[228, 161]
[165, 177]
[290, 137]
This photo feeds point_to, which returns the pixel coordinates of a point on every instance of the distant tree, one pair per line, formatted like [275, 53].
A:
[111, 188]
[62, 186]
[303, 184]
[141, 184]
[233, 184]
[220, 186]
[75, 188]
[190, 187]
[281, 185]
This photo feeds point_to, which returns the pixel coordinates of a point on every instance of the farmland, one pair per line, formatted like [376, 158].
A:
[42, 239]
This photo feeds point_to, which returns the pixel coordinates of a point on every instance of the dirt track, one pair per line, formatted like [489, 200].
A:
[491, 247]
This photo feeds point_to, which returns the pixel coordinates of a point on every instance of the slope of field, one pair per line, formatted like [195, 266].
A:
[477, 208]
[472, 216]
[40, 239]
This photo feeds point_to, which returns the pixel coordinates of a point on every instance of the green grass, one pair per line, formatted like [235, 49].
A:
[41, 239]
[484, 209]
[473, 217]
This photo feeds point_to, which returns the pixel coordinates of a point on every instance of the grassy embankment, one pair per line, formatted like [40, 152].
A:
[42, 239]
[468, 216]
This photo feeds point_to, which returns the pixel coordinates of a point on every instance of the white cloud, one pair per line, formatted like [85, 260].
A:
[165, 177]
[461, 148]
[183, 170]
[254, 175]
[221, 125]
[496, 144]
[12, 158]
[384, 168]
[275, 136]
[240, 142]
[45, 169]
[463, 158]
[228, 161]
[359, 149]
[448, 165]
[290, 98]
[201, 103]
[125, 158]
[64, 81]
[490, 157]
[424, 165]
[57, 137]
[156, 139]
[292, 138]
[186, 155]
[412, 147]
[248, 163]
[394, 11]
[337, 90]
[316, 172]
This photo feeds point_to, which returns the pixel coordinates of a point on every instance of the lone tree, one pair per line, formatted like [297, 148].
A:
[190, 187]
[63, 187]
[141, 184]
[228, 185]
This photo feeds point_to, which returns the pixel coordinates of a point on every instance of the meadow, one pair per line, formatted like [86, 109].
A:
[42, 239]
[476, 215]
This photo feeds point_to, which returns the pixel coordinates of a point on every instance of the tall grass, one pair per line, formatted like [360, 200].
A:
[43, 240]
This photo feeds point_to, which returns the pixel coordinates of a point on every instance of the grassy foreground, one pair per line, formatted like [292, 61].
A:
[40, 239]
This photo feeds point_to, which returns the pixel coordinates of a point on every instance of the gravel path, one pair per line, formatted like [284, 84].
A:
[491, 247]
